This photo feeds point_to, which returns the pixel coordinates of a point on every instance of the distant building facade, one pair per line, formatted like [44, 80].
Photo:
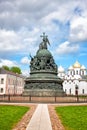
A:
[75, 79]
[11, 83]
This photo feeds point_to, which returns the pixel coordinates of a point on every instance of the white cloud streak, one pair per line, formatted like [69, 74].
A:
[8, 63]
[78, 29]
[67, 48]
[25, 60]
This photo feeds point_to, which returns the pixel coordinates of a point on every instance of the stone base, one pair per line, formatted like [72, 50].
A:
[43, 87]
[43, 92]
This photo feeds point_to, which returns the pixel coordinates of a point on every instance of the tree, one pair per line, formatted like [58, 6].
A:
[6, 67]
[16, 69]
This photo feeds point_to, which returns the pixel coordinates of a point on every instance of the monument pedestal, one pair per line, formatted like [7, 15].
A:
[43, 92]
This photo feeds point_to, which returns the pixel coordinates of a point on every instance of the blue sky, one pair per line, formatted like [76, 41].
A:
[23, 21]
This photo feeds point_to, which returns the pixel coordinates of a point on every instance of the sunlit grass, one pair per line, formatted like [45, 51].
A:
[10, 115]
[73, 117]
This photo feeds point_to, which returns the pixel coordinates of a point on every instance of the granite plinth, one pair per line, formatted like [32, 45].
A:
[43, 92]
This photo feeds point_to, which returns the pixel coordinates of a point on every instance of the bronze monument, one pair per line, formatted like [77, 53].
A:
[43, 80]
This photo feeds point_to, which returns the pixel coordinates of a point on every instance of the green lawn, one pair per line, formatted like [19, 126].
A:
[73, 117]
[10, 115]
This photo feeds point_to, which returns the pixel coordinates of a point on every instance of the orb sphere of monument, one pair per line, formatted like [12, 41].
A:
[44, 53]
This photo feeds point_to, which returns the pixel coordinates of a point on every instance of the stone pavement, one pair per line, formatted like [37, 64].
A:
[40, 119]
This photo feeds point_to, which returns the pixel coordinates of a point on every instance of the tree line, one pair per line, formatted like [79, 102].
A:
[12, 69]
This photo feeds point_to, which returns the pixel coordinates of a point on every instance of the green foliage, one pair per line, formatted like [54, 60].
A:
[12, 69]
[73, 117]
[10, 115]
[16, 70]
[6, 67]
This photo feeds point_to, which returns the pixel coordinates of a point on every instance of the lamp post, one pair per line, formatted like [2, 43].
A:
[76, 92]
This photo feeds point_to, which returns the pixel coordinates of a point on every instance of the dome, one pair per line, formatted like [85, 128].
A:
[60, 69]
[70, 68]
[44, 53]
[76, 65]
[83, 67]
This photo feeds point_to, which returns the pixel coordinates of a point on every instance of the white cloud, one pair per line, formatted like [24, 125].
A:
[78, 29]
[67, 48]
[37, 19]
[25, 60]
[25, 73]
[23, 21]
[21, 41]
[8, 40]
[7, 63]
[16, 14]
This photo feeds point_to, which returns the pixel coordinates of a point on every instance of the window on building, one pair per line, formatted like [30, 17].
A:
[1, 90]
[82, 72]
[70, 91]
[83, 91]
[77, 72]
[2, 81]
[73, 72]
[65, 90]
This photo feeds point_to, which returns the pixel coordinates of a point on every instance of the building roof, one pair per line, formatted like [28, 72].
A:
[3, 71]
[83, 67]
[61, 69]
[71, 68]
[76, 65]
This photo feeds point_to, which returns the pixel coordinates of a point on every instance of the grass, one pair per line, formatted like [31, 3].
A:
[10, 115]
[83, 96]
[73, 117]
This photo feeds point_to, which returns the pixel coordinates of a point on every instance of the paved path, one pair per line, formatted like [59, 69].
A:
[40, 119]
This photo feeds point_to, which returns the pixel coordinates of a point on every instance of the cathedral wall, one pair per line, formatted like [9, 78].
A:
[70, 87]
[83, 87]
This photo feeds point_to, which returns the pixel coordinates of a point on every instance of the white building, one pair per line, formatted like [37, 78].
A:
[61, 72]
[75, 80]
[11, 83]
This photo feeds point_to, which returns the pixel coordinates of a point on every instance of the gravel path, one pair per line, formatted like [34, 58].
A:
[55, 121]
[22, 124]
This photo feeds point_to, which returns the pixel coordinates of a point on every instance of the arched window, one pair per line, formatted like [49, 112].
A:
[2, 81]
[83, 91]
[82, 72]
[70, 91]
[1, 90]
[77, 72]
[73, 72]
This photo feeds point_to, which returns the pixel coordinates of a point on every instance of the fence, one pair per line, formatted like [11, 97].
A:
[31, 99]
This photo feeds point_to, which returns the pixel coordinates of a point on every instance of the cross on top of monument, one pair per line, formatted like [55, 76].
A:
[44, 36]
